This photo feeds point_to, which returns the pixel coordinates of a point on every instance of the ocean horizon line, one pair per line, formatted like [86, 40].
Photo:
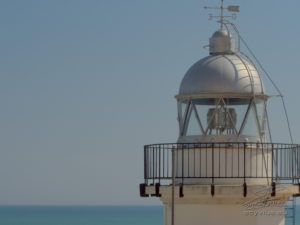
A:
[78, 205]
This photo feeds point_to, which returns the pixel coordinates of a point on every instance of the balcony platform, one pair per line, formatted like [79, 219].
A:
[229, 194]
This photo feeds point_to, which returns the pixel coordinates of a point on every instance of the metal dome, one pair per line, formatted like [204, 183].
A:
[221, 43]
[221, 34]
[221, 74]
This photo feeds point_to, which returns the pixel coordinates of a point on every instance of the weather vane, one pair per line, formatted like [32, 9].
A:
[231, 8]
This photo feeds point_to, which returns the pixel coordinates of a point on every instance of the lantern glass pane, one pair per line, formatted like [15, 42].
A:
[251, 125]
[217, 116]
[193, 126]
[261, 115]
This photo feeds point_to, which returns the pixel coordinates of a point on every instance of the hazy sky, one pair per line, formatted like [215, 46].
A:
[84, 84]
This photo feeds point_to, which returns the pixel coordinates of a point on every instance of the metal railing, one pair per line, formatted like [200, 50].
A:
[277, 162]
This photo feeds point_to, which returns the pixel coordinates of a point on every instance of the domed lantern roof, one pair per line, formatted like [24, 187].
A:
[221, 74]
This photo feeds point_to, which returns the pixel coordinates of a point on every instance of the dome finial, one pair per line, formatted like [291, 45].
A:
[231, 8]
[222, 43]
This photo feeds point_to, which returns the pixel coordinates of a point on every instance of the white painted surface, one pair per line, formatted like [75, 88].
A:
[225, 214]
[224, 162]
[227, 206]
[221, 74]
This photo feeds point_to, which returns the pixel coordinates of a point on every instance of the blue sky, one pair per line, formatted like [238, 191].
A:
[85, 84]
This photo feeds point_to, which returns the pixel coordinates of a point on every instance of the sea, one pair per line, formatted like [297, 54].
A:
[87, 215]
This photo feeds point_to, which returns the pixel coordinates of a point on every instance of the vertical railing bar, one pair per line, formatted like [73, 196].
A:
[282, 167]
[272, 165]
[294, 162]
[285, 163]
[145, 165]
[277, 166]
[256, 163]
[176, 162]
[194, 161]
[289, 160]
[212, 163]
[163, 151]
[225, 148]
[153, 166]
[288, 163]
[168, 175]
[244, 163]
[267, 172]
[206, 160]
[153, 180]
[219, 161]
[156, 161]
[173, 188]
[262, 162]
[188, 161]
[293, 156]
[278, 152]
[152, 163]
[200, 164]
[238, 160]
[298, 164]
[159, 162]
[281, 159]
[182, 162]
[251, 162]
[232, 162]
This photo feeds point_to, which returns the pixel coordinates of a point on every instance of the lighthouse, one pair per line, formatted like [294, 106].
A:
[224, 167]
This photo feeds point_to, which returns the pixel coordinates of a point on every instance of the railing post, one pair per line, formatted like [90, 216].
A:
[153, 166]
[159, 162]
[244, 162]
[145, 166]
[272, 160]
[182, 163]
[212, 170]
[212, 163]
[173, 188]
[292, 159]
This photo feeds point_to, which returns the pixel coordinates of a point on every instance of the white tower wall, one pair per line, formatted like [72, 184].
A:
[204, 163]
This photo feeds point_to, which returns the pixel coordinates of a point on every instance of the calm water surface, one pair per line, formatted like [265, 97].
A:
[85, 215]
[81, 215]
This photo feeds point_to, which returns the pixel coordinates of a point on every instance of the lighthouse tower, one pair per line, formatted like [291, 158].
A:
[223, 169]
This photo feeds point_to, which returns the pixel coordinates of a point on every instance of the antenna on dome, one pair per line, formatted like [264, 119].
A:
[230, 8]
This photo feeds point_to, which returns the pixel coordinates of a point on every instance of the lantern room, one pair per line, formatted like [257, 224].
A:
[221, 97]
